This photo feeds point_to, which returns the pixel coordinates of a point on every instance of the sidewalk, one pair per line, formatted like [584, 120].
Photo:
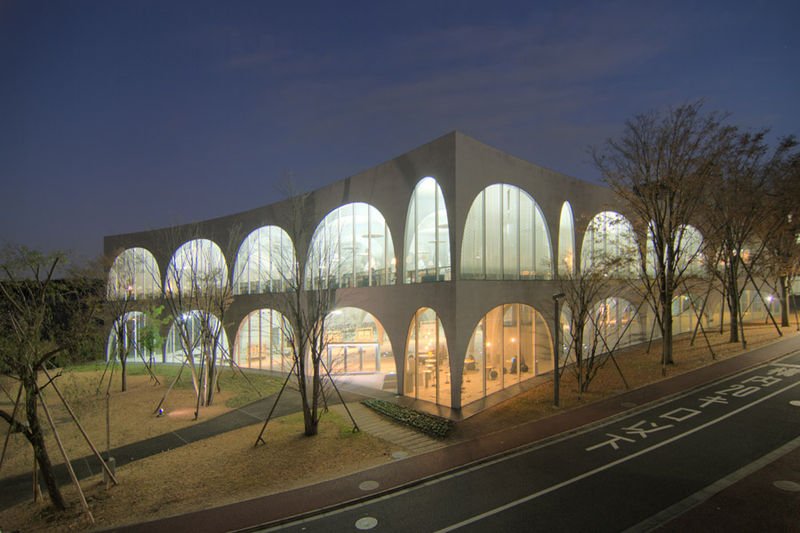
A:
[312, 499]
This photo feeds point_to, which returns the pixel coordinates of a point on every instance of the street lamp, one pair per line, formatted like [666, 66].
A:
[556, 343]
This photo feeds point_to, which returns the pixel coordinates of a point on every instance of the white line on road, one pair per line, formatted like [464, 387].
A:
[612, 464]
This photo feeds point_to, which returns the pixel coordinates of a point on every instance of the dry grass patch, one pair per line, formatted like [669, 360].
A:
[212, 472]
[132, 417]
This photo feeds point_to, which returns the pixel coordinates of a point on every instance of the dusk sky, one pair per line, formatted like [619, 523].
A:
[126, 116]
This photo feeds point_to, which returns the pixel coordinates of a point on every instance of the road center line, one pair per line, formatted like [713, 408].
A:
[612, 464]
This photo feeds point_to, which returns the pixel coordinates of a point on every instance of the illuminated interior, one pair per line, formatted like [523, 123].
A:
[197, 265]
[505, 237]
[351, 247]
[609, 243]
[427, 240]
[187, 338]
[134, 273]
[509, 344]
[566, 241]
[265, 262]
[427, 372]
[261, 343]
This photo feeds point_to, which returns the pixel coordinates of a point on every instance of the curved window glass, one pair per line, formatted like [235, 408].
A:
[427, 242]
[265, 262]
[427, 372]
[609, 244]
[197, 265]
[613, 323]
[505, 237]
[357, 345]
[261, 343]
[351, 247]
[133, 344]
[691, 261]
[509, 345]
[134, 273]
[566, 241]
[195, 333]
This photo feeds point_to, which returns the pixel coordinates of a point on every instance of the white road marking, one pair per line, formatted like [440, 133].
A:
[612, 464]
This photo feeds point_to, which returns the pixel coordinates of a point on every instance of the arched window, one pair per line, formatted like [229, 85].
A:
[609, 245]
[616, 323]
[357, 345]
[193, 333]
[133, 342]
[261, 342]
[505, 237]
[510, 344]
[427, 242]
[265, 262]
[134, 273]
[690, 259]
[566, 241]
[351, 247]
[196, 265]
[427, 371]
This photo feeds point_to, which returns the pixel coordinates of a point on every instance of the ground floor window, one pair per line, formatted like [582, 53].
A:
[427, 372]
[195, 333]
[261, 342]
[357, 343]
[510, 344]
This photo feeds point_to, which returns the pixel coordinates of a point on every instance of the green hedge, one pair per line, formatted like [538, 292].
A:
[434, 426]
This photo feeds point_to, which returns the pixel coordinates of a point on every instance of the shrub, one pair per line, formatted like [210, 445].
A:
[434, 426]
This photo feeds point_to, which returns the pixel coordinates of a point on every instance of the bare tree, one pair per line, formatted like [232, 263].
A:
[781, 261]
[197, 295]
[307, 298]
[584, 292]
[661, 167]
[739, 213]
[122, 291]
[42, 318]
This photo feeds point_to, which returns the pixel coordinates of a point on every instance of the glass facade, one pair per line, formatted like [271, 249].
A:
[505, 237]
[357, 343]
[134, 273]
[187, 337]
[351, 247]
[427, 372]
[616, 324]
[196, 265]
[135, 322]
[691, 260]
[427, 239]
[265, 262]
[261, 343]
[566, 241]
[509, 345]
[610, 243]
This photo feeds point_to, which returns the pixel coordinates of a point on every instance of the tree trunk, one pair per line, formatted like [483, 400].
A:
[124, 365]
[784, 299]
[36, 438]
[733, 308]
[666, 327]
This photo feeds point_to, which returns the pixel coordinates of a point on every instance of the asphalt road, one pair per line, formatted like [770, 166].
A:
[626, 473]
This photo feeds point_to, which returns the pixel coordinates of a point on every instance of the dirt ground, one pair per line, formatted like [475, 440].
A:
[228, 468]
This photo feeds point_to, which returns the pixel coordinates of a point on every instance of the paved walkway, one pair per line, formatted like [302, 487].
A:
[312, 499]
[409, 441]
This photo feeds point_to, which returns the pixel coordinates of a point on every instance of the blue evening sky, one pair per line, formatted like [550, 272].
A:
[126, 116]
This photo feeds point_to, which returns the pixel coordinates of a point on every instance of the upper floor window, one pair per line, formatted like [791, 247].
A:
[427, 242]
